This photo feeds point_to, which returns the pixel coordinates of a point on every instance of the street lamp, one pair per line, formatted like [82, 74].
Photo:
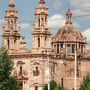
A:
[75, 71]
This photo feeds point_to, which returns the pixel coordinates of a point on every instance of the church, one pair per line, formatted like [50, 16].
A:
[49, 58]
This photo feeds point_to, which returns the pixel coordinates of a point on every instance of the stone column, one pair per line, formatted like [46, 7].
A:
[40, 41]
[49, 42]
[17, 45]
[56, 47]
[59, 48]
[36, 42]
[40, 20]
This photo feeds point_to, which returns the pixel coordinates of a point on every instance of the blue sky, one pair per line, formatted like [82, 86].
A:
[57, 10]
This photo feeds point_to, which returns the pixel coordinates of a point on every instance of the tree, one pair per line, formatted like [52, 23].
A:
[53, 86]
[7, 82]
[86, 83]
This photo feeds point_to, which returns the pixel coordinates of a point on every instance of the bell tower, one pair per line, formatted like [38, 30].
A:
[41, 35]
[11, 28]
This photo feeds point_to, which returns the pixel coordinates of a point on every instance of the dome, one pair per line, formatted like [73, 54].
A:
[69, 33]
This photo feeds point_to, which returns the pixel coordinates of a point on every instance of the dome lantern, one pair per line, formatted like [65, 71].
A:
[69, 17]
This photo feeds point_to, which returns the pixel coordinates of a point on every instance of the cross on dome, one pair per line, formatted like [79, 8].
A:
[41, 1]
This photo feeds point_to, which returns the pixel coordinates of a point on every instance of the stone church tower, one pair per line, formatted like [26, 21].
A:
[41, 35]
[34, 68]
[29, 66]
[11, 34]
[68, 39]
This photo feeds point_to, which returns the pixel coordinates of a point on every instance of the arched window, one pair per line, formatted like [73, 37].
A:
[68, 48]
[36, 88]
[8, 42]
[11, 24]
[45, 38]
[8, 24]
[57, 48]
[20, 71]
[36, 72]
[38, 42]
[42, 22]
[82, 48]
[39, 22]
[20, 67]
[61, 45]
[62, 80]
[73, 48]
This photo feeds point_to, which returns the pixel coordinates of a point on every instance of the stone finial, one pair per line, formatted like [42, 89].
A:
[11, 1]
[11, 4]
[69, 17]
[23, 40]
[23, 43]
[41, 1]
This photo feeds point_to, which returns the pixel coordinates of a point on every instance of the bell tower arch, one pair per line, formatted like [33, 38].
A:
[11, 28]
[41, 35]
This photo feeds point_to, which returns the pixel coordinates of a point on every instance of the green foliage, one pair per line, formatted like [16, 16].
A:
[5, 64]
[86, 83]
[7, 82]
[53, 86]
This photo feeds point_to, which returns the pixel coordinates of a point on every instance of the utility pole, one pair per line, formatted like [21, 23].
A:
[75, 71]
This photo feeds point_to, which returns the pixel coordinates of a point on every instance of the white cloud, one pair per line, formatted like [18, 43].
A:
[56, 21]
[81, 8]
[1, 23]
[1, 26]
[25, 25]
[86, 34]
[57, 4]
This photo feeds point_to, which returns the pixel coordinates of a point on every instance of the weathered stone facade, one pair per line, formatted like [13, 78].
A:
[31, 67]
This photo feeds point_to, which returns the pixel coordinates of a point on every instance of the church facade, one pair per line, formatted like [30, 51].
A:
[49, 59]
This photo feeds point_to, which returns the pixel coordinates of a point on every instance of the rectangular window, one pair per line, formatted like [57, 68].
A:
[36, 88]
